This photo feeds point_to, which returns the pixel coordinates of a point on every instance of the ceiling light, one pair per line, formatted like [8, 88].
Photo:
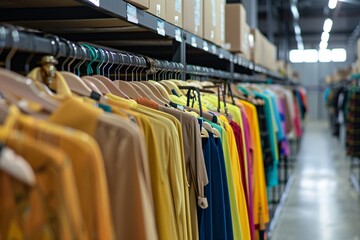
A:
[338, 55]
[325, 55]
[323, 45]
[295, 11]
[311, 55]
[332, 4]
[296, 56]
[297, 29]
[300, 45]
[325, 36]
[328, 25]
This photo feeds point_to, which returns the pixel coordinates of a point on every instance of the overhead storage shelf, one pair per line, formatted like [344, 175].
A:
[121, 25]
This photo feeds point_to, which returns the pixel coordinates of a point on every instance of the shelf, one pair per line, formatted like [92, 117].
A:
[110, 23]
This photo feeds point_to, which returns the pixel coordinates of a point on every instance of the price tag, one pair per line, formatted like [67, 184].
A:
[235, 60]
[95, 2]
[160, 27]
[131, 13]
[178, 35]
[193, 41]
[213, 49]
[221, 55]
[205, 46]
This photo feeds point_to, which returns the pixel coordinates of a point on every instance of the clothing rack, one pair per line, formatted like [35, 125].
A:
[18, 39]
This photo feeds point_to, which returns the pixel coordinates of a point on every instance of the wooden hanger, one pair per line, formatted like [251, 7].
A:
[93, 87]
[111, 86]
[204, 133]
[128, 88]
[76, 84]
[156, 91]
[148, 91]
[172, 86]
[161, 88]
[25, 88]
[101, 86]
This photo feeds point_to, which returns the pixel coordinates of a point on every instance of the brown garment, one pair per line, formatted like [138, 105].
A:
[194, 161]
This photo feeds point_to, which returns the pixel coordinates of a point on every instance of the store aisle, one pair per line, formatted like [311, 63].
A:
[321, 204]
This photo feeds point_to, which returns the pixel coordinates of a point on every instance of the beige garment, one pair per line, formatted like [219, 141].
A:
[194, 160]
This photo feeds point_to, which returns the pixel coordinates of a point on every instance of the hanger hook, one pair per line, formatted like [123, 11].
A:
[2, 37]
[130, 64]
[142, 61]
[102, 56]
[106, 61]
[74, 57]
[31, 56]
[112, 63]
[82, 59]
[117, 69]
[68, 43]
[15, 44]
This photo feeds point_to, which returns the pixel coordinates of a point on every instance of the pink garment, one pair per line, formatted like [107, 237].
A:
[297, 120]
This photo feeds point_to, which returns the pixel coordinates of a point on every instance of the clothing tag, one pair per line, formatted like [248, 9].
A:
[160, 27]
[180, 107]
[131, 13]
[193, 41]
[205, 46]
[94, 95]
[95, 2]
[178, 35]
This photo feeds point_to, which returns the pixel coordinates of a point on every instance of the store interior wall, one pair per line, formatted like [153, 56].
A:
[312, 77]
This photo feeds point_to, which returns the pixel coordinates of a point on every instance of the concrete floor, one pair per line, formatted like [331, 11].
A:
[321, 204]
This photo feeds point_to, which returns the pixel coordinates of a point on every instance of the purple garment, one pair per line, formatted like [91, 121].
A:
[284, 145]
[247, 135]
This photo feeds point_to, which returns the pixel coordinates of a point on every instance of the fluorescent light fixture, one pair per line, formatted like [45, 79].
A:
[296, 56]
[332, 4]
[325, 55]
[300, 45]
[325, 36]
[323, 45]
[311, 55]
[328, 25]
[297, 29]
[338, 55]
[295, 11]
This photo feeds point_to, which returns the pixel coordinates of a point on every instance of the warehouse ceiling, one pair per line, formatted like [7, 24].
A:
[312, 14]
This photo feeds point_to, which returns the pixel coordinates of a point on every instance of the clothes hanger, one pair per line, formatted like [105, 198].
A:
[75, 83]
[123, 85]
[141, 91]
[20, 86]
[95, 80]
[145, 88]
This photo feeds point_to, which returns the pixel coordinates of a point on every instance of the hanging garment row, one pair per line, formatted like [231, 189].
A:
[86, 157]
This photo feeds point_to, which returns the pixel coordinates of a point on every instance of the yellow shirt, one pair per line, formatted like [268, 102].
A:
[239, 189]
[52, 211]
[88, 166]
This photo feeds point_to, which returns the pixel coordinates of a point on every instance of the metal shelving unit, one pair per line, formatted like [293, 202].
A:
[120, 25]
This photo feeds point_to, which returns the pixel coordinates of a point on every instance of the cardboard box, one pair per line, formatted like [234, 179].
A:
[158, 8]
[193, 16]
[235, 20]
[246, 42]
[220, 26]
[174, 10]
[272, 56]
[257, 42]
[210, 20]
[142, 4]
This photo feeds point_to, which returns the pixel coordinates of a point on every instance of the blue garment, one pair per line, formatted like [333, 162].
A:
[280, 133]
[217, 190]
[205, 220]
[228, 220]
